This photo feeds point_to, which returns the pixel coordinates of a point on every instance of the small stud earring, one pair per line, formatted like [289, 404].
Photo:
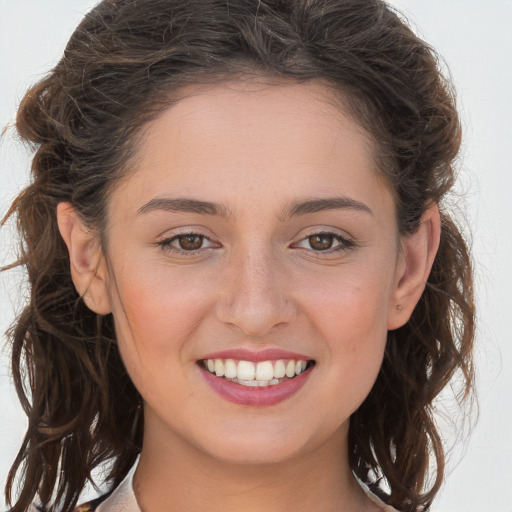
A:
[399, 307]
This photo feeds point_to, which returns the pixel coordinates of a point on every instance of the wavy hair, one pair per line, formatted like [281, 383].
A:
[129, 59]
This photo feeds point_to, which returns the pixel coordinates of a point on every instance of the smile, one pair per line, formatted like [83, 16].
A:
[260, 374]
[256, 379]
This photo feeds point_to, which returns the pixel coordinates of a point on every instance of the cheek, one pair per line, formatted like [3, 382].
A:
[350, 314]
[155, 320]
[158, 296]
[357, 331]
[349, 302]
[156, 313]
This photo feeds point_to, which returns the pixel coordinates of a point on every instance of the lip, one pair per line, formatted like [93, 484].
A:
[256, 396]
[243, 354]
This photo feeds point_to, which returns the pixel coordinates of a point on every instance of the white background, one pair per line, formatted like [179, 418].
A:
[475, 38]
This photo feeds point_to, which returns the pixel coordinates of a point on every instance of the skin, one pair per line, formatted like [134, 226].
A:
[255, 282]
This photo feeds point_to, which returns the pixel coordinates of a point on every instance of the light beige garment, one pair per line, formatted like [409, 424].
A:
[123, 498]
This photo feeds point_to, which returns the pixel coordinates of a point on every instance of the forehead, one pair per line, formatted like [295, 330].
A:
[247, 105]
[292, 138]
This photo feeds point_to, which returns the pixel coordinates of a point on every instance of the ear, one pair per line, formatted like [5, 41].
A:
[87, 265]
[415, 262]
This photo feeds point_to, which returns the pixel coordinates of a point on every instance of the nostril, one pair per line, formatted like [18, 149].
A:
[255, 310]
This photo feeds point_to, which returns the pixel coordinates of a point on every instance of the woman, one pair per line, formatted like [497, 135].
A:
[242, 275]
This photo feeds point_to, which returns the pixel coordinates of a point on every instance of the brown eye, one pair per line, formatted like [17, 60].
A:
[190, 242]
[193, 243]
[321, 242]
[326, 243]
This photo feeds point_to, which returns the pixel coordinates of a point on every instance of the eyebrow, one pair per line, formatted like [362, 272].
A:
[183, 205]
[329, 203]
[293, 210]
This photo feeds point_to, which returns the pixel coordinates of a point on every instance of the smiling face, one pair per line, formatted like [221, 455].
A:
[254, 242]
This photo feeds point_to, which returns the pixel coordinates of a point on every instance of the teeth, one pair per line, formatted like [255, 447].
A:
[263, 373]
[279, 369]
[246, 370]
[230, 371]
[256, 383]
[250, 383]
[290, 369]
[219, 367]
[300, 366]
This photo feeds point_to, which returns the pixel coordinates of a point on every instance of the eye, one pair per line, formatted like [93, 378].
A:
[187, 242]
[325, 242]
[321, 242]
[190, 242]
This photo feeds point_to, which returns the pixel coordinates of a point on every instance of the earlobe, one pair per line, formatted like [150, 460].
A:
[88, 269]
[418, 253]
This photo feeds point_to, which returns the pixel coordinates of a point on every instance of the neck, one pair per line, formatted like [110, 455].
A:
[178, 477]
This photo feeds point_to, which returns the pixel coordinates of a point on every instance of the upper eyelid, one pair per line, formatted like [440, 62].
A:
[342, 239]
[170, 238]
[166, 245]
[311, 231]
[183, 231]
[302, 234]
[346, 241]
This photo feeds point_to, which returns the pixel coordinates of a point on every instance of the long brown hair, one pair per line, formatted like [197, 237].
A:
[122, 66]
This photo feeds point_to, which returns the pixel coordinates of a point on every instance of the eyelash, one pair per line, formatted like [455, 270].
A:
[166, 244]
[344, 243]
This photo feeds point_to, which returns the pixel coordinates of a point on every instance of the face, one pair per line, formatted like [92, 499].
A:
[252, 263]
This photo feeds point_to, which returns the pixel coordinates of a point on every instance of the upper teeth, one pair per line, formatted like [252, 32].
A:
[262, 371]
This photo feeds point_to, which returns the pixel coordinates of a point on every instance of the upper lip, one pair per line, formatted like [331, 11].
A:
[244, 354]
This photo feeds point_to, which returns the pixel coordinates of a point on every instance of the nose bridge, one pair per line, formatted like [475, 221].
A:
[256, 299]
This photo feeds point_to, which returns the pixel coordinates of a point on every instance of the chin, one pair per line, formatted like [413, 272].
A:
[254, 453]
[256, 446]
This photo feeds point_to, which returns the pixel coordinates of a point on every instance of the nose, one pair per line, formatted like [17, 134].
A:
[256, 297]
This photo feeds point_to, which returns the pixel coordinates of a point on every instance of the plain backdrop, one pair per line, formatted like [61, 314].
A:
[475, 38]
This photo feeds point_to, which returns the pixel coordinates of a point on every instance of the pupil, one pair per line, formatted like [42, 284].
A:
[321, 242]
[190, 242]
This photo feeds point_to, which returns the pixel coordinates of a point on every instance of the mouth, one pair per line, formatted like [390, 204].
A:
[256, 379]
[259, 374]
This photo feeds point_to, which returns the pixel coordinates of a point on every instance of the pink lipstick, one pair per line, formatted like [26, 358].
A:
[256, 378]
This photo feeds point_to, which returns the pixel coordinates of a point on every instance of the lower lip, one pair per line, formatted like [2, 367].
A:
[256, 396]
